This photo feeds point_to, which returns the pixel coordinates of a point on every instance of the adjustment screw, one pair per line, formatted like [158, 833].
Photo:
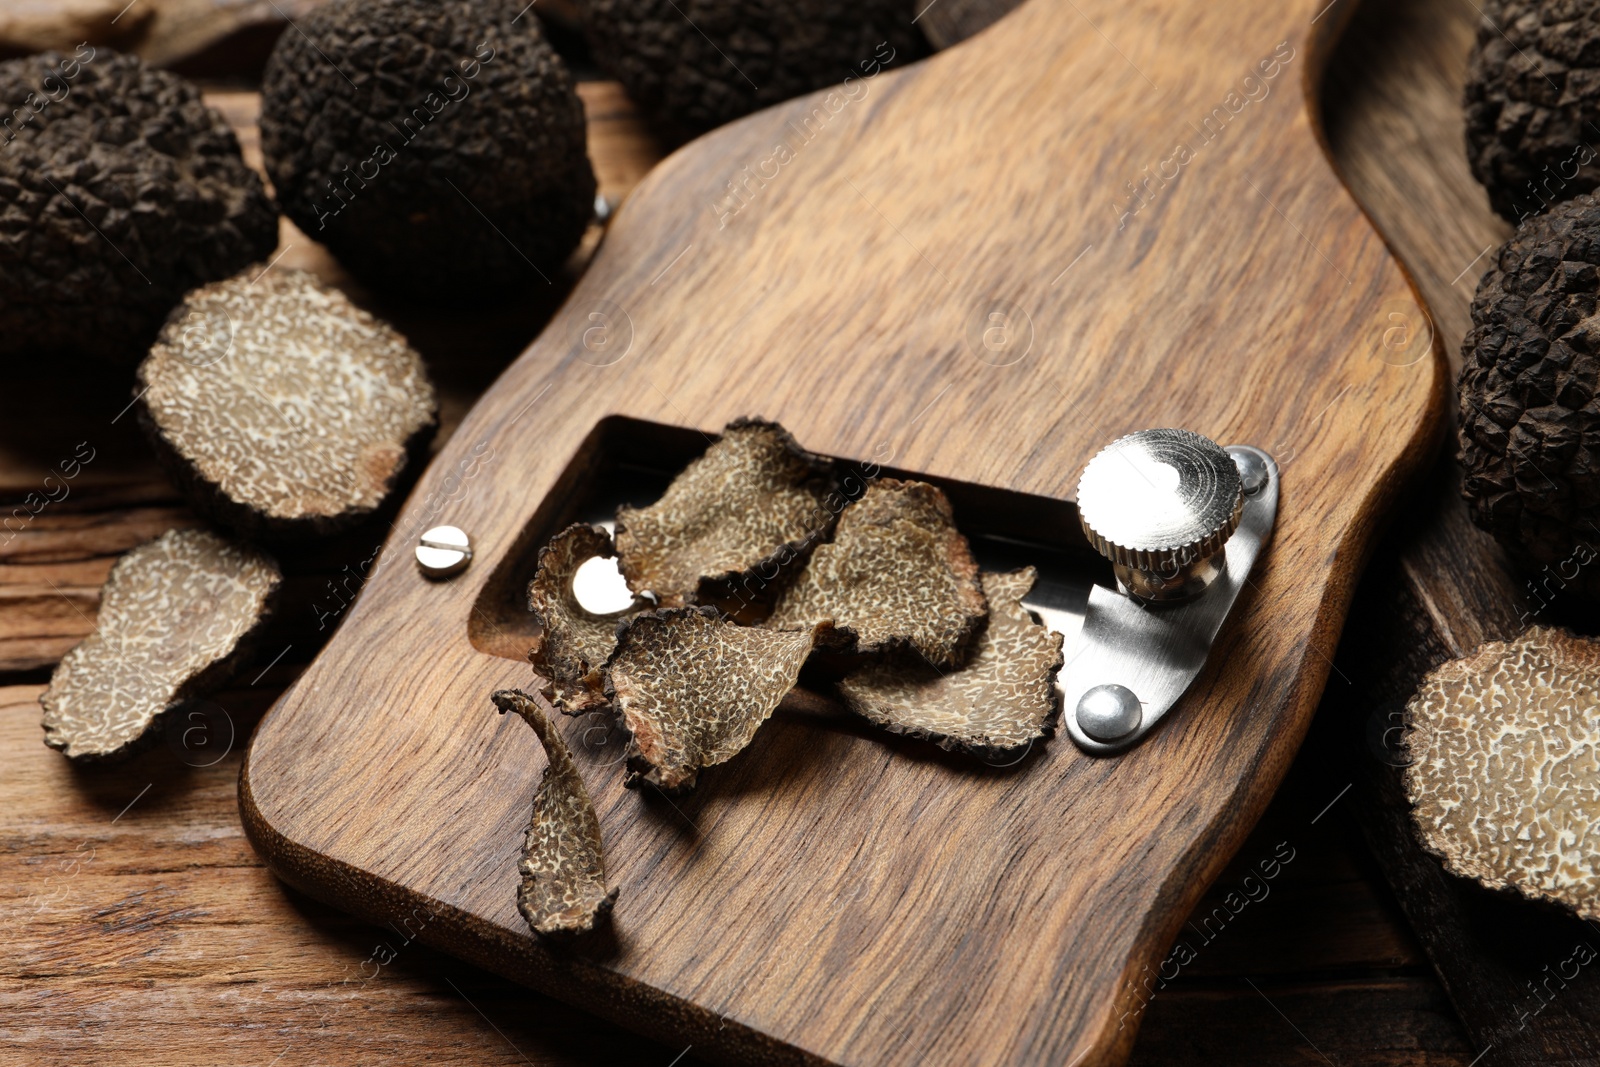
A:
[1161, 505]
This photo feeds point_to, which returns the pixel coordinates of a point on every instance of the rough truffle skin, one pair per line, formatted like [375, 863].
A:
[696, 64]
[438, 150]
[1533, 103]
[117, 196]
[1530, 422]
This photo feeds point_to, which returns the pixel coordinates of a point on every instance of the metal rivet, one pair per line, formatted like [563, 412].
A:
[1252, 471]
[444, 552]
[1109, 712]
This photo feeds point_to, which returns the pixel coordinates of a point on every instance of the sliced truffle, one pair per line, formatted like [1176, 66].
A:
[1004, 698]
[693, 687]
[282, 409]
[1533, 103]
[1530, 443]
[175, 620]
[696, 64]
[437, 149]
[120, 190]
[563, 888]
[897, 574]
[573, 643]
[1505, 766]
[750, 505]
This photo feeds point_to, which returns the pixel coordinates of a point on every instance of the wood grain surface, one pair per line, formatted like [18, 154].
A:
[833, 896]
[257, 974]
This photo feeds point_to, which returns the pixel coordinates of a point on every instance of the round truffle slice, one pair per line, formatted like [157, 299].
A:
[897, 574]
[1533, 103]
[120, 190]
[1003, 699]
[751, 505]
[1530, 441]
[693, 688]
[175, 619]
[1504, 775]
[696, 64]
[563, 889]
[282, 409]
[437, 149]
[573, 642]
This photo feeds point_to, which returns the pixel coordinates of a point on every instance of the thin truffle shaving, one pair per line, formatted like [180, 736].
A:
[1003, 699]
[752, 502]
[693, 688]
[897, 574]
[173, 617]
[563, 888]
[1505, 766]
[573, 643]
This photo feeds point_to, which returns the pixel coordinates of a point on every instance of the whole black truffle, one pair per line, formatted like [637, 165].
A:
[436, 149]
[696, 64]
[1530, 423]
[1533, 103]
[119, 192]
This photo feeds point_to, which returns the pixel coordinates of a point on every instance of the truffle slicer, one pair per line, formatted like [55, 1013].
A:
[952, 276]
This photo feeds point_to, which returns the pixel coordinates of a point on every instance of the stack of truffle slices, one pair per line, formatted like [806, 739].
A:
[752, 565]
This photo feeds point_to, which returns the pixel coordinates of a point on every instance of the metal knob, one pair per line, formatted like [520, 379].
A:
[1160, 505]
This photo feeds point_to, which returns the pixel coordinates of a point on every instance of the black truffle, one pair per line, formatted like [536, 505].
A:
[1530, 423]
[120, 190]
[1533, 103]
[695, 64]
[436, 149]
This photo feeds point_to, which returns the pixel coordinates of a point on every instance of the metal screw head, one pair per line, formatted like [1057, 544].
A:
[1109, 712]
[1252, 470]
[1160, 504]
[444, 552]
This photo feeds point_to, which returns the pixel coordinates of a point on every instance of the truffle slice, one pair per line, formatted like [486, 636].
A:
[897, 574]
[1003, 699]
[437, 149]
[280, 408]
[573, 643]
[563, 888]
[693, 687]
[174, 620]
[1504, 775]
[752, 503]
[120, 190]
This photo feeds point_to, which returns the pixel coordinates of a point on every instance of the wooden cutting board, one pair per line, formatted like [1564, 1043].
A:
[832, 896]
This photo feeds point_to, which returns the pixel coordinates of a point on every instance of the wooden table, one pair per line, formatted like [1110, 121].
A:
[143, 928]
